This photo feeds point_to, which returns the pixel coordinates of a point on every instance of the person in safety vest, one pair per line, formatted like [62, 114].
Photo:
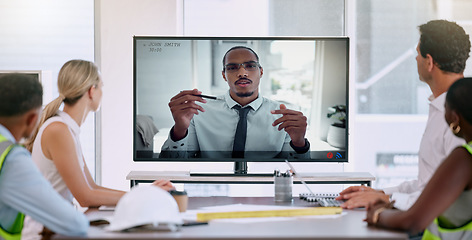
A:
[23, 189]
[445, 204]
[56, 147]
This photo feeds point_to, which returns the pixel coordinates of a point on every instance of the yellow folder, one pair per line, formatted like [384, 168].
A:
[206, 216]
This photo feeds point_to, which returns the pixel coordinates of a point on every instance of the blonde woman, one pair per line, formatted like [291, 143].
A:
[55, 144]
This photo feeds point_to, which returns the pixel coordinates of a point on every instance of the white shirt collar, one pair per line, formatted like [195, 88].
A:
[231, 103]
[438, 102]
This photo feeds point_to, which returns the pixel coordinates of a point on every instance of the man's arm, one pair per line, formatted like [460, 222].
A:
[289, 152]
[404, 195]
[24, 189]
[404, 201]
[294, 123]
[183, 107]
[183, 148]
[174, 149]
[361, 196]
[405, 187]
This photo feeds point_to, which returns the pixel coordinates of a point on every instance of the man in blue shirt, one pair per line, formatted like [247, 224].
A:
[207, 128]
[23, 190]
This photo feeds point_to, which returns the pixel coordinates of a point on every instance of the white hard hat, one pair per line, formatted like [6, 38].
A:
[147, 206]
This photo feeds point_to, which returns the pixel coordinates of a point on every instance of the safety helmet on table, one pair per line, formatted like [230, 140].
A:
[148, 206]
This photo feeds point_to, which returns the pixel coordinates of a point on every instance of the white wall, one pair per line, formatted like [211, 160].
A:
[382, 134]
[116, 23]
[42, 36]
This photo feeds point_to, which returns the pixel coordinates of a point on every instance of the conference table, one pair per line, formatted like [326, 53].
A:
[348, 225]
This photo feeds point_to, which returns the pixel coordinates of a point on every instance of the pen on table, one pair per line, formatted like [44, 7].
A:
[299, 177]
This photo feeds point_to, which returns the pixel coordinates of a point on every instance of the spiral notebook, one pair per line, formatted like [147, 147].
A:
[323, 199]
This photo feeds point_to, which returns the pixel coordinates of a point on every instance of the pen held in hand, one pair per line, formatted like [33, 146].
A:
[205, 96]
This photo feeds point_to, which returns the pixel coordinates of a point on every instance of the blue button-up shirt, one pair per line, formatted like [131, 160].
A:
[24, 189]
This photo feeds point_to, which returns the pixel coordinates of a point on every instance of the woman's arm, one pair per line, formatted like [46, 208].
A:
[451, 178]
[164, 184]
[92, 183]
[58, 145]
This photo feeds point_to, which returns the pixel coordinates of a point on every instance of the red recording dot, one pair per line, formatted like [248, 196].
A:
[329, 155]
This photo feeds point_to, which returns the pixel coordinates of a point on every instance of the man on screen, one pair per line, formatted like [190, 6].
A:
[212, 128]
[443, 50]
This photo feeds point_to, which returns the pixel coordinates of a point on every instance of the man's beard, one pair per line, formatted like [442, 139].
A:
[246, 94]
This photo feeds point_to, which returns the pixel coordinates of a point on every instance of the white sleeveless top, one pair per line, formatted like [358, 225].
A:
[46, 166]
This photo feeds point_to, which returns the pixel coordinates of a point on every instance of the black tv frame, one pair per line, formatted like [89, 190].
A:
[145, 156]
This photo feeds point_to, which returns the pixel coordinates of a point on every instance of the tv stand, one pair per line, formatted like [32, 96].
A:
[201, 174]
[240, 168]
[137, 177]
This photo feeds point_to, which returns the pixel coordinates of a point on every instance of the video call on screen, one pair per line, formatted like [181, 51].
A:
[306, 74]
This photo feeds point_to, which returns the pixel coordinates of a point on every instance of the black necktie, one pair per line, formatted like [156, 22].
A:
[241, 130]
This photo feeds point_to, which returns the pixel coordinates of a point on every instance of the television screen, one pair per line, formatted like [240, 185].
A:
[34, 73]
[308, 75]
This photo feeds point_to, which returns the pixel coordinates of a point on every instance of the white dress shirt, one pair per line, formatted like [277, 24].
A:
[212, 132]
[437, 143]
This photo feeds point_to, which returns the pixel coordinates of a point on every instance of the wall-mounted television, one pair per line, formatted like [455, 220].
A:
[43, 76]
[307, 74]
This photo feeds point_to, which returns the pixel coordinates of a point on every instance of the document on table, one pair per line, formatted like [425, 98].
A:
[258, 213]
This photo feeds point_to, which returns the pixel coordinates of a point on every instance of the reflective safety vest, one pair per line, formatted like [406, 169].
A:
[436, 232]
[15, 232]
